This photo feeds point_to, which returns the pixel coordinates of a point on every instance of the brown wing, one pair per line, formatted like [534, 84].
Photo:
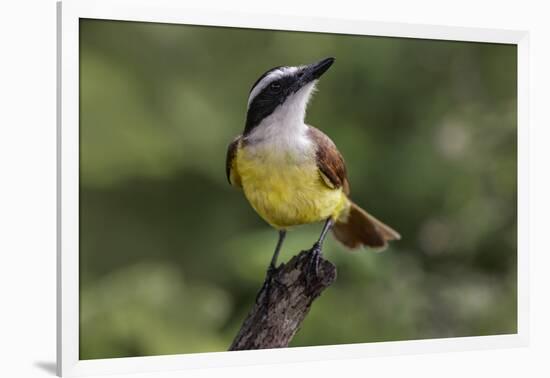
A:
[230, 172]
[329, 161]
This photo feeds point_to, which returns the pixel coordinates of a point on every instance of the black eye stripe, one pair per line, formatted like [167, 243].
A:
[263, 76]
[268, 99]
[275, 88]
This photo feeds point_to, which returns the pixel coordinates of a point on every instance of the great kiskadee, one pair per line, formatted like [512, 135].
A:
[292, 173]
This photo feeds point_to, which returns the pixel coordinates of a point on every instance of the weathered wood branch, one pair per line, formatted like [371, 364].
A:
[273, 322]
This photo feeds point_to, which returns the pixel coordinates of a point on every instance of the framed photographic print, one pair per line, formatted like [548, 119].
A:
[239, 190]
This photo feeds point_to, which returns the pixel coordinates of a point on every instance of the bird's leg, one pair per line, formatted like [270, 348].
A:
[317, 249]
[270, 278]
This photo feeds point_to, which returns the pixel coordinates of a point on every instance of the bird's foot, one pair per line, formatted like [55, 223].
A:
[315, 254]
[266, 290]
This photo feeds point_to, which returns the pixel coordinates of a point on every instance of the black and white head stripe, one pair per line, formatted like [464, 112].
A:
[278, 84]
[262, 77]
[269, 77]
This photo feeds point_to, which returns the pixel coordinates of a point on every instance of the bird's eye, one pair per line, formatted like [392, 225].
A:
[275, 87]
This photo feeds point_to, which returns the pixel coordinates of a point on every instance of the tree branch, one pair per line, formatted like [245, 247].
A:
[273, 322]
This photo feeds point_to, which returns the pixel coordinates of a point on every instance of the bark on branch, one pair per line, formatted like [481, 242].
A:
[273, 322]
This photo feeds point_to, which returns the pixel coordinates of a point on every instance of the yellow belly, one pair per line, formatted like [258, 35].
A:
[286, 193]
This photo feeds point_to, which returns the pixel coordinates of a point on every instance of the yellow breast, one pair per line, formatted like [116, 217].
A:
[284, 190]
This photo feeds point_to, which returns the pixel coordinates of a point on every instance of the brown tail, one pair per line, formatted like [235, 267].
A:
[358, 228]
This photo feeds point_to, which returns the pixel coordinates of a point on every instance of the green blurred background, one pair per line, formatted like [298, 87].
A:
[171, 256]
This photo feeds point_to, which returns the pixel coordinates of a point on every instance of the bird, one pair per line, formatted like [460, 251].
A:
[292, 173]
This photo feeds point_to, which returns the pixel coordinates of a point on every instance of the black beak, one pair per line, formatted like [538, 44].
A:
[314, 71]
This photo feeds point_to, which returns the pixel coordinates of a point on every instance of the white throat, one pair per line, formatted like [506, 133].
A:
[285, 127]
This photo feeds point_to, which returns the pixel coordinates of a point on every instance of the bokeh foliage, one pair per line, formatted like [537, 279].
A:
[171, 256]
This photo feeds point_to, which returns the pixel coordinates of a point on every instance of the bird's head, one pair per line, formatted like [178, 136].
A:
[280, 95]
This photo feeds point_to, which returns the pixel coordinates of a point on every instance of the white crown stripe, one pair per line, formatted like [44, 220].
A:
[271, 77]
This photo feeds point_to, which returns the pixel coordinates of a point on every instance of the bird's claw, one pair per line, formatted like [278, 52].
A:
[313, 264]
[267, 287]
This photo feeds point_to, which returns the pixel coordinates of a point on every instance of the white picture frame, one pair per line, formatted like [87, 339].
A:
[171, 11]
